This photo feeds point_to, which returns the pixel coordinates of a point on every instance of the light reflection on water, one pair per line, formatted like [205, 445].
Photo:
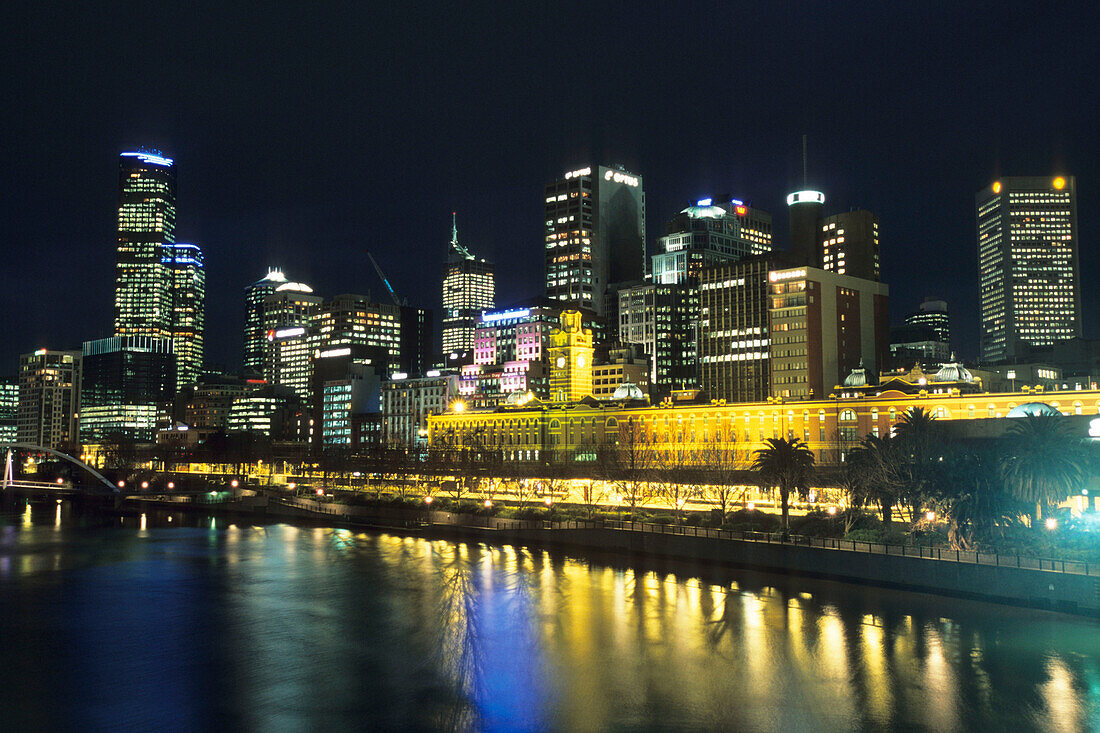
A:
[285, 627]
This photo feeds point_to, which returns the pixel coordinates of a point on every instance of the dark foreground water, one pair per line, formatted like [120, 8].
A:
[109, 624]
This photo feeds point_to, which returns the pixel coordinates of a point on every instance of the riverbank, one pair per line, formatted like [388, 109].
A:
[1064, 586]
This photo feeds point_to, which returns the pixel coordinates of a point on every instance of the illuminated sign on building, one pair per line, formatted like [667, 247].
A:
[805, 197]
[147, 158]
[619, 177]
[288, 332]
[502, 315]
[579, 172]
[333, 352]
[787, 275]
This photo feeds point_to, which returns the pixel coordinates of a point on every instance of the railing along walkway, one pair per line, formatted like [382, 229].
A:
[970, 557]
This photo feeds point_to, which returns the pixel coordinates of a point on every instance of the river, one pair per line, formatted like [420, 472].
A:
[186, 622]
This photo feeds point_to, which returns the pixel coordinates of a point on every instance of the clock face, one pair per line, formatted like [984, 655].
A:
[561, 362]
[580, 362]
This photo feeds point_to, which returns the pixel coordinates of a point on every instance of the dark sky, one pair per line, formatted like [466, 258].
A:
[306, 134]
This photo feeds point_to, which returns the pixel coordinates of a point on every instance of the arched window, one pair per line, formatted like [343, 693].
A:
[874, 414]
[941, 412]
[847, 414]
[1077, 408]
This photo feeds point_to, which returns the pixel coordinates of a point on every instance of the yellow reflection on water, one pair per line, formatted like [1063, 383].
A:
[1062, 703]
[939, 682]
[880, 699]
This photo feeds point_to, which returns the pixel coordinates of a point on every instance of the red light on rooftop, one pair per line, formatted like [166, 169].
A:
[741, 210]
[256, 381]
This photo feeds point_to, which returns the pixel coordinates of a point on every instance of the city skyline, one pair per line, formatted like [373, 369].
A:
[262, 190]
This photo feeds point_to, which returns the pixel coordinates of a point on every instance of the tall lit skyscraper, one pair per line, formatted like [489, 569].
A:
[146, 223]
[255, 335]
[595, 235]
[1029, 281]
[188, 280]
[287, 319]
[469, 287]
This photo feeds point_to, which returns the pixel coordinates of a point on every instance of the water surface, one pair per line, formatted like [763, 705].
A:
[147, 623]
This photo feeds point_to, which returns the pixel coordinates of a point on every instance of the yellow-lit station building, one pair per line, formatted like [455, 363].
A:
[526, 429]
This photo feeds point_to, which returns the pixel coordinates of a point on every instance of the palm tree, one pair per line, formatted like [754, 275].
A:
[787, 465]
[1043, 461]
[877, 474]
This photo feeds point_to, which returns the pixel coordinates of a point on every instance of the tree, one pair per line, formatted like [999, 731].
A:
[788, 466]
[878, 474]
[971, 498]
[723, 471]
[678, 479]
[626, 463]
[1043, 461]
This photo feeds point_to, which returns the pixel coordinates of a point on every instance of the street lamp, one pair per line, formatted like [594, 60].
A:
[121, 484]
[428, 500]
[171, 484]
[234, 483]
[1051, 523]
[930, 515]
[144, 484]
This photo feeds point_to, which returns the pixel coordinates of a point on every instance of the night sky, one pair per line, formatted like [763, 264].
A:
[304, 135]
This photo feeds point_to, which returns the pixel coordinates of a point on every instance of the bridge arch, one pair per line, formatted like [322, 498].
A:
[7, 449]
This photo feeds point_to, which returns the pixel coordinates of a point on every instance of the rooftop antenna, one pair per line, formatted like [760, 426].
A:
[454, 238]
[804, 184]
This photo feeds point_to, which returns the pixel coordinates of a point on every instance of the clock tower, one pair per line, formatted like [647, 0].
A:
[570, 351]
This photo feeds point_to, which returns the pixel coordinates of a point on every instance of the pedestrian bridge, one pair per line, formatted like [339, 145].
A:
[98, 485]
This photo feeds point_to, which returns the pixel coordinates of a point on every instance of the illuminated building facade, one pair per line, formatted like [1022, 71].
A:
[269, 410]
[662, 320]
[469, 287]
[188, 295]
[127, 384]
[735, 336]
[831, 427]
[595, 235]
[709, 234]
[822, 325]
[848, 244]
[287, 317]
[348, 320]
[347, 396]
[1029, 277]
[571, 350]
[204, 405]
[146, 223]
[9, 411]
[806, 209]
[49, 398]
[925, 338]
[255, 333]
[620, 364]
[406, 404]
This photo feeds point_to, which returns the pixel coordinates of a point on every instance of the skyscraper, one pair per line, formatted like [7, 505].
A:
[848, 244]
[49, 398]
[287, 321]
[146, 223]
[188, 294]
[595, 235]
[1029, 281]
[469, 287]
[255, 335]
[126, 385]
[805, 209]
[708, 234]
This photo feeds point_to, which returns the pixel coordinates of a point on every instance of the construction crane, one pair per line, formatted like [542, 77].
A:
[383, 279]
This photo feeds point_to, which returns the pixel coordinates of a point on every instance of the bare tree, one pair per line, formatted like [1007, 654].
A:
[626, 461]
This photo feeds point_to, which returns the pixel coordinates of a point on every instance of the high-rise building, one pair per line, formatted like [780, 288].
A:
[255, 334]
[823, 325]
[146, 223]
[188, 293]
[848, 244]
[353, 319]
[407, 403]
[127, 384]
[735, 346]
[1029, 277]
[9, 411]
[287, 319]
[595, 235]
[347, 396]
[661, 319]
[806, 209]
[933, 314]
[417, 337]
[707, 234]
[469, 287]
[49, 398]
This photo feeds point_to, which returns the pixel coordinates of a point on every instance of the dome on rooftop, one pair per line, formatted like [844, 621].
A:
[953, 371]
[858, 377]
[628, 391]
[519, 397]
[704, 212]
[295, 287]
[1032, 408]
